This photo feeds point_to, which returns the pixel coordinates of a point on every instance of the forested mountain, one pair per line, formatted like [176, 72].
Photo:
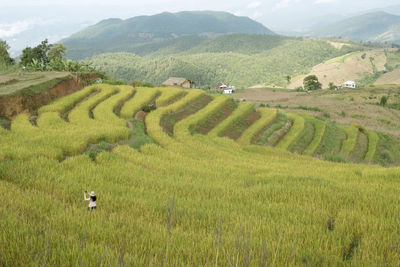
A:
[116, 35]
[376, 26]
[245, 60]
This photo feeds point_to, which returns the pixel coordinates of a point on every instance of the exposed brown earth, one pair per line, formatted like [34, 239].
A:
[237, 130]
[215, 119]
[12, 105]
[168, 122]
[277, 136]
[344, 107]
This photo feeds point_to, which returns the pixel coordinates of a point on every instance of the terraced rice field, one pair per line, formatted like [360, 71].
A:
[191, 195]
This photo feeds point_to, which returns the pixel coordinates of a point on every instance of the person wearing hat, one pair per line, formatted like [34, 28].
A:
[92, 199]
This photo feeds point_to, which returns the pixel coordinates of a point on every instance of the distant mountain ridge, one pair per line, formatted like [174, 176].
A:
[116, 35]
[376, 26]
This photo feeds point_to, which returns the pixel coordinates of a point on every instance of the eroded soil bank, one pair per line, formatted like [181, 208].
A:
[22, 102]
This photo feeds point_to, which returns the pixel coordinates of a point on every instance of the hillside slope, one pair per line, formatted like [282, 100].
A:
[123, 35]
[189, 199]
[353, 66]
[377, 27]
[375, 66]
[241, 60]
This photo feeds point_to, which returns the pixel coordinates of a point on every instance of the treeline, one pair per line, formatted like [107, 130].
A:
[43, 57]
[280, 58]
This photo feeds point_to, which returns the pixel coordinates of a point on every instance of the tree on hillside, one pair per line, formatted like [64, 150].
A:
[288, 78]
[332, 86]
[39, 53]
[56, 57]
[311, 83]
[5, 58]
[57, 52]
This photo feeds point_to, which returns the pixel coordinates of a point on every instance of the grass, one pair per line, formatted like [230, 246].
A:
[296, 129]
[242, 125]
[224, 107]
[373, 139]
[301, 143]
[241, 112]
[186, 199]
[279, 121]
[361, 148]
[170, 95]
[138, 136]
[141, 98]
[320, 128]
[5, 123]
[387, 151]
[351, 140]
[267, 116]
[331, 142]
[169, 120]
[31, 83]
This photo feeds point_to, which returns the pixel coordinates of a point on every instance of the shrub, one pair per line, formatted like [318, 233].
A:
[383, 101]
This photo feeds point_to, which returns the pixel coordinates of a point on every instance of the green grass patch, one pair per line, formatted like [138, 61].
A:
[358, 116]
[308, 108]
[267, 116]
[222, 112]
[279, 121]
[5, 123]
[361, 148]
[351, 139]
[169, 120]
[385, 121]
[241, 125]
[320, 128]
[138, 136]
[373, 140]
[242, 111]
[42, 87]
[301, 143]
[94, 149]
[331, 141]
[387, 151]
[294, 132]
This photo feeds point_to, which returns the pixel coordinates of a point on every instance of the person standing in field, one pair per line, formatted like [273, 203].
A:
[91, 199]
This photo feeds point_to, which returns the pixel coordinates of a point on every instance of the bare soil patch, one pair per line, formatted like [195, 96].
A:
[358, 106]
[19, 102]
[168, 121]
[216, 118]
[237, 130]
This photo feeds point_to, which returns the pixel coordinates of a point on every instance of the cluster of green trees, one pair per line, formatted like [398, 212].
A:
[5, 58]
[51, 57]
[211, 62]
[43, 57]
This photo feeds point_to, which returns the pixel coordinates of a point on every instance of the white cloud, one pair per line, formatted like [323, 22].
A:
[254, 4]
[284, 4]
[324, 1]
[12, 29]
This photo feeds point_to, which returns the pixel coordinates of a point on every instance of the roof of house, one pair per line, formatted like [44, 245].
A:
[222, 85]
[350, 82]
[176, 81]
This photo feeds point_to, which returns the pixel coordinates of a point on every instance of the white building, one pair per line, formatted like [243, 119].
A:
[228, 91]
[350, 84]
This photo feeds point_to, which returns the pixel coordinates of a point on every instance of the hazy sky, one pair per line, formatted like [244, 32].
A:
[56, 19]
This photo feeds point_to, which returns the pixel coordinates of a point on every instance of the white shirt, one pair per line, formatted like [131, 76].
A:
[91, 203]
